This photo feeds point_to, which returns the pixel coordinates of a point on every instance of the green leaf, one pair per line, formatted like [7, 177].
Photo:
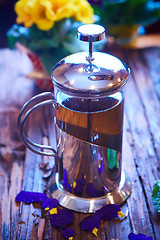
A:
[156, 195]
[49, 57]
[129, 12]
[112, 159]
[43, 39]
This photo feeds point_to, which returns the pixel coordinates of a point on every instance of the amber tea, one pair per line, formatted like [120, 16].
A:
[96, 121]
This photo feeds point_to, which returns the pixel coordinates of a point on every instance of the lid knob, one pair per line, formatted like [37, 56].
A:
[90, 33]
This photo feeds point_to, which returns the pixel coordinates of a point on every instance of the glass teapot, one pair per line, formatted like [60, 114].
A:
[89, 103]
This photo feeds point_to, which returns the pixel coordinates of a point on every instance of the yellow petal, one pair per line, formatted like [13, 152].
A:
[44, 24]
[63, 13]
[47, 208]
[22, 9]
[95, 230]
[85, 11]
[53, 211]
[120, 214]
[44, 13]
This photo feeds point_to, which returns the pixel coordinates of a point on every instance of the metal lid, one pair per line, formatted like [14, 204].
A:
[90, 74]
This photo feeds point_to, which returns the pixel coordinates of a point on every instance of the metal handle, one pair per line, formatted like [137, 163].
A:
[23, 116]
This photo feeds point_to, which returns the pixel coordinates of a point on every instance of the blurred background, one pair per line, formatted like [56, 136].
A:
[8, 18]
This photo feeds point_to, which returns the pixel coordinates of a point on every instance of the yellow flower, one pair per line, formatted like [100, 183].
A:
[84, 12]
[44, 13]
[24, 15]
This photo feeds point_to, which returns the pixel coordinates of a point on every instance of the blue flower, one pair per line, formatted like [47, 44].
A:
[61, 218]
[108, 212]
[139, 236]
[67, 233]
[90, 223]
[50, 203]
[30, 197]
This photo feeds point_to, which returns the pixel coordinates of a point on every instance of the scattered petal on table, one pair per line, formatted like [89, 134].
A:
[67, 233]
[139, 236]
[91, 224]
[29, 197]
[109, 212]
[50, 203]
[62, 218]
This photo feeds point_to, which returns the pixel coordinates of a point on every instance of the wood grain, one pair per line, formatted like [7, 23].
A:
[21, 169]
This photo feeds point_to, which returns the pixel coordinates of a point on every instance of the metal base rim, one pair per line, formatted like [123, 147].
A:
[90, 205]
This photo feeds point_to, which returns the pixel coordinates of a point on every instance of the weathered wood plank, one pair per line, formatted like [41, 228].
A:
[147, 94]
[143, 150]
[15, 89]
[10, 186]
[140, 157]
[137, 108]
[152, 61]
[32, 180]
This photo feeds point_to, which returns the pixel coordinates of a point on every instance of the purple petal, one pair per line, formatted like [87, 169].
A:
[62, 218]
[79, 187]
[50, 203]
[139, 236]
[90, 223]
[29, 197]
[108, 212]
[132, 236]
[92, 191]
[67, 232]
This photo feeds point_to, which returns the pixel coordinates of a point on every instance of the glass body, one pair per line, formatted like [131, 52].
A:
[89, 143]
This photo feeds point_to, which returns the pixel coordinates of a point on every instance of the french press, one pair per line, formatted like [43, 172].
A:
[89, 102]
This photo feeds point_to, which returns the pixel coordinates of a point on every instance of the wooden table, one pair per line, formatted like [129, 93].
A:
[21, 169]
